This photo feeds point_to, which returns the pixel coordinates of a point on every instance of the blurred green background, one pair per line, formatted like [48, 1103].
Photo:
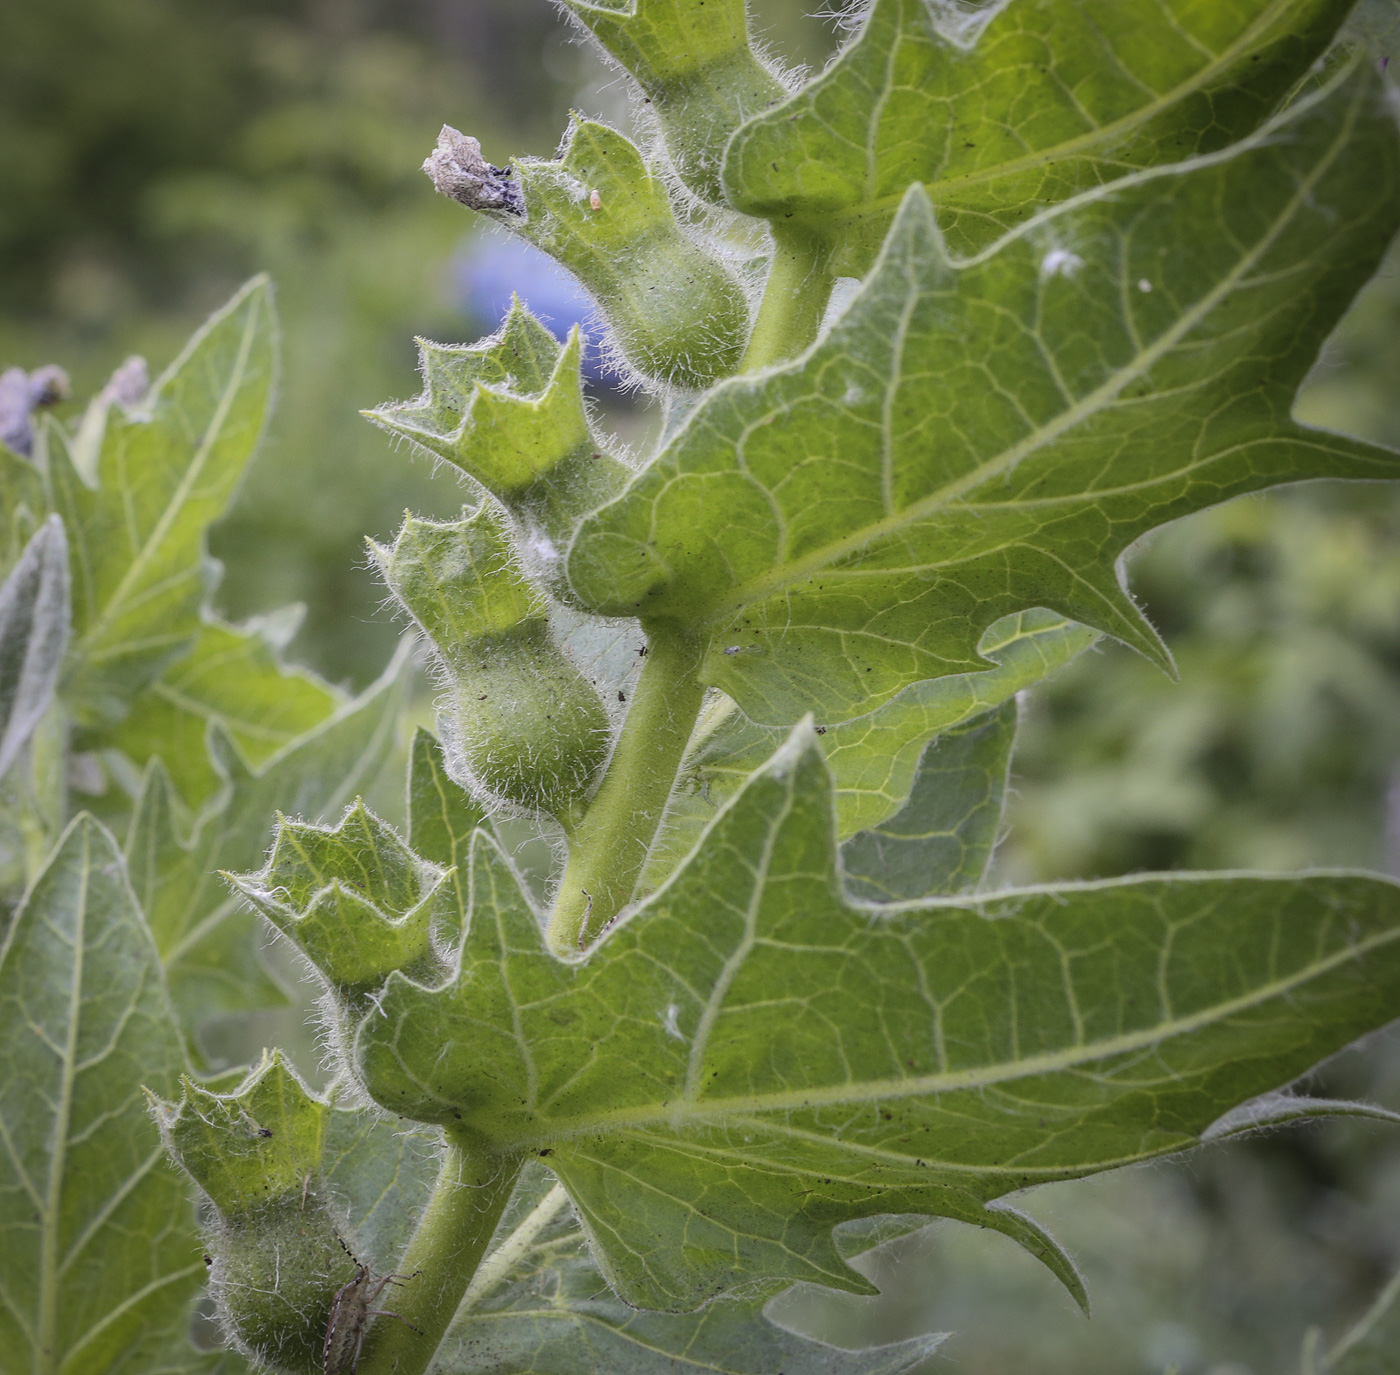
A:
[155, 153]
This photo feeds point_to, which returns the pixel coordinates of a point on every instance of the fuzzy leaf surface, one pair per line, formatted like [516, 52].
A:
[697, 68]
[539, 1306]
[973, 440]
[164, 474]
[941, 841]
[873, 759]
[1003, 112]
[34, 624]
[99, 1255]
[750, 1058]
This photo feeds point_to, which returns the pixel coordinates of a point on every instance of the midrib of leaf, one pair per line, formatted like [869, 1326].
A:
[177, 502]
[498, 1266]
[45, 1351]
[688, 1110]
[1004, 462]
[1101, 133]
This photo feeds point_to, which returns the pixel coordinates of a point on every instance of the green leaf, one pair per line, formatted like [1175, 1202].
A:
[873, 759]
[34, 626]
[539, 1305]
[697, 69]
[205, 934]
[22, 499]
[234, 676]
[942, 840]
[164, 474]
[973, 440]
[441, 814]
[750, 1058]
[1003, 112]
[508, 411]
[99, 1256]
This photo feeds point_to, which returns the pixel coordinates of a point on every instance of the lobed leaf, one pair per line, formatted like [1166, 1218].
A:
[164, 473]
[441, 814]
[750, 1058]
[99, 1256]
[34, 628]
[539, 1305]
[874, 758]
[1002, 112]
[972, 440]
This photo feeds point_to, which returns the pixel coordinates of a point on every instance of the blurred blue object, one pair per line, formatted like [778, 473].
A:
[487, 269]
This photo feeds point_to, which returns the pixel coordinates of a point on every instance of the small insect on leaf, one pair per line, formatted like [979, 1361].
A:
[351, 1312]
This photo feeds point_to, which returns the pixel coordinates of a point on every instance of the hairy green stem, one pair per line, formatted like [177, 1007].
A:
[609, 846]
[794, 299]
[471, 1192]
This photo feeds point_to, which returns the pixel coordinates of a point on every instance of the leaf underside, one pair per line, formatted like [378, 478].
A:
[751, 1058]
[1053, 98]
[975, 439]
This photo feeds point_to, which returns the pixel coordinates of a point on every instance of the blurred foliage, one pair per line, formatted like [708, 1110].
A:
[154, 153]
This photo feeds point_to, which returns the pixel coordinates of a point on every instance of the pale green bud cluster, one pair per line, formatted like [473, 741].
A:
[276, 1258]
[519, 723]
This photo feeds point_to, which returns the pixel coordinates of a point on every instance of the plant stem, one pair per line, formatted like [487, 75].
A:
[610, 844]
[471, 1192]
[794, 300]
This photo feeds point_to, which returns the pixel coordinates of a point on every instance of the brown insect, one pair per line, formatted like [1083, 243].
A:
[351, 1312]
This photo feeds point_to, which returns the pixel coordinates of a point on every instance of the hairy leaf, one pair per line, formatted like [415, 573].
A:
[539, 1306]
[164, 473]
[98, 1251]
[749, 1058]
[234, 676]
[1002, 112]
[696, 66]
[34, 625]
[873, 759]
[441, 814]
[204, 933]
[973, 440]
[941, 841]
